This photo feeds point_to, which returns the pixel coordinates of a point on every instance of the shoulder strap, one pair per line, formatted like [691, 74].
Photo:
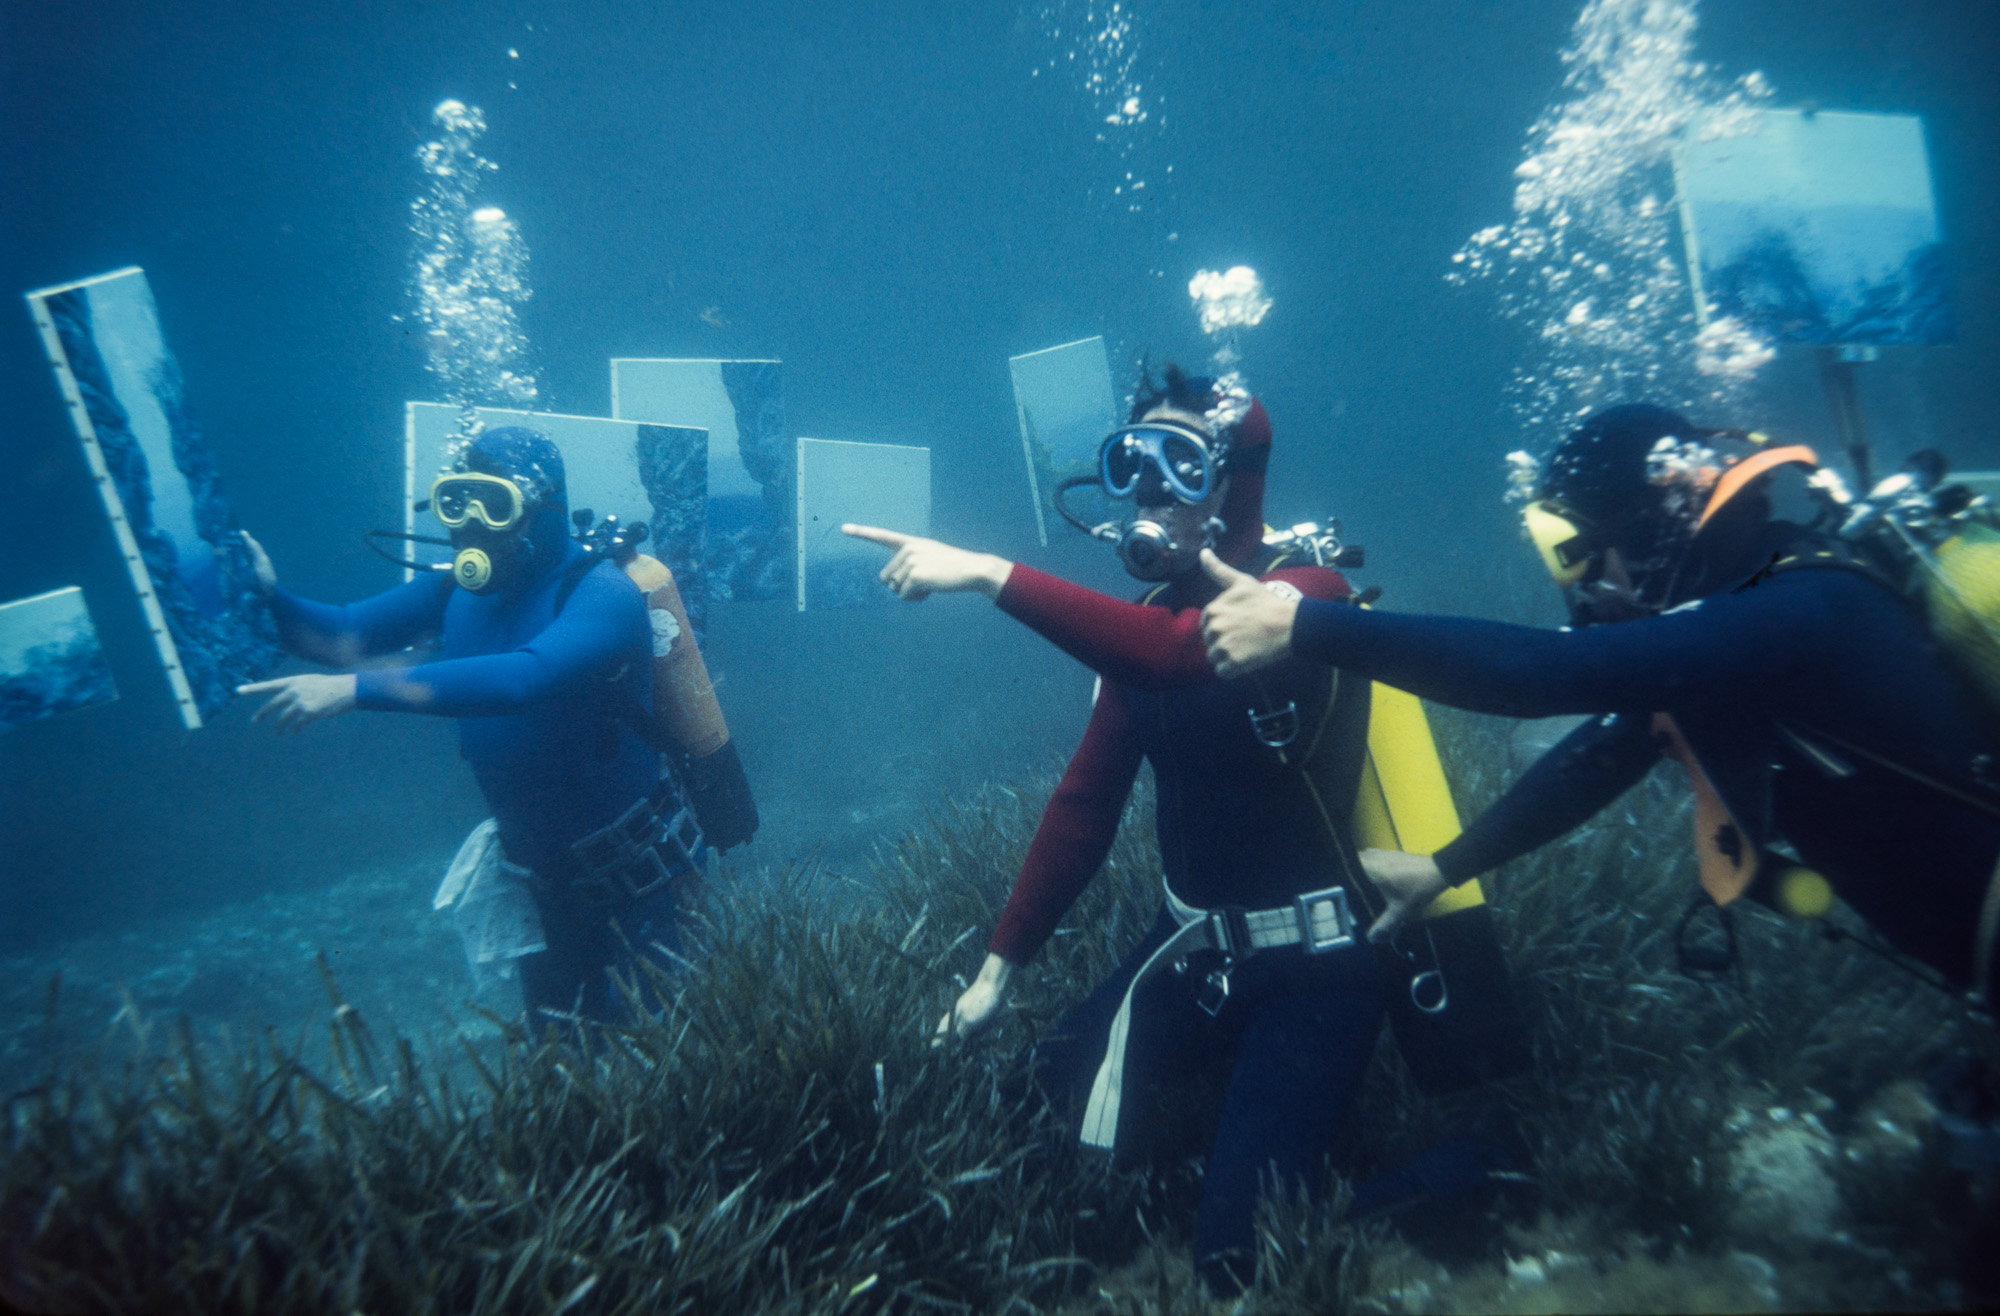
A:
[1825, 551]
[626, 707]
[572, 577]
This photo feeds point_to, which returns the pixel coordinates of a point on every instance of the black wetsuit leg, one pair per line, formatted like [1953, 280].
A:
[587, 944]
[1304, 1028]
[1262, 1086]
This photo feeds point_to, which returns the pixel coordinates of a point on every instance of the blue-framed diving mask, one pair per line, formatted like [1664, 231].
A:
[1155, 459]
[1153, 463]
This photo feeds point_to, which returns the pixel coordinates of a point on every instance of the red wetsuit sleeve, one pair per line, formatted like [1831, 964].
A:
[1135, 644]
[1076, 830]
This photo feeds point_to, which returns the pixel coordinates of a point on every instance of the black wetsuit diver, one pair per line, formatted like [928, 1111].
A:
[1251, 817]
[1809, 691]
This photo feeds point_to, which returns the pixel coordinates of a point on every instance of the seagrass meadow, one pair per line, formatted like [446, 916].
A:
[784, 1136]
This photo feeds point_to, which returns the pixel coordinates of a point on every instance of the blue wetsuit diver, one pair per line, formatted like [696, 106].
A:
[546, 656]
[1818, 709]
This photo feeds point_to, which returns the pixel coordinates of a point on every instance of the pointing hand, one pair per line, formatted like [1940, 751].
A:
[923, 567]
[298, 700]
[1246, 626]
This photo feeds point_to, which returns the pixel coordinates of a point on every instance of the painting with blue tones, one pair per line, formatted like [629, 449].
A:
[159, 487]
[1817, 228]
[633, 471]
[876, 484]
[1063, 399]
[742, 406]
[50, 661]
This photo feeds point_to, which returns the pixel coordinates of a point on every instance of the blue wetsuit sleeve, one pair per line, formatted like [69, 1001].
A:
[1584, 771]
[338, 636]
[1726, 642]
[602, 625]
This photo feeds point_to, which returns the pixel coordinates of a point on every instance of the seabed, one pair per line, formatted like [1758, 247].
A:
[785, 1137]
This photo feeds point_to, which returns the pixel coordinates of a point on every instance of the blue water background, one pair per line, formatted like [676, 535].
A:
[885, 198]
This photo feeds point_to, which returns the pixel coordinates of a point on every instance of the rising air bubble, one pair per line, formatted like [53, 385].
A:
[1587, 200]
[469, 277]
[1227, 304]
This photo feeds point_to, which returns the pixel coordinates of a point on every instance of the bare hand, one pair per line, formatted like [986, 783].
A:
[298, 700]
[1409, 881]
[923, 567]
[260, 563]
[979, 1003]
[1247, 626]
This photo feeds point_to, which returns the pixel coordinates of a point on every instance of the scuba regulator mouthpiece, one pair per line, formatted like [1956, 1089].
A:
[472, 569]
[1147, 550]
[1151, 553]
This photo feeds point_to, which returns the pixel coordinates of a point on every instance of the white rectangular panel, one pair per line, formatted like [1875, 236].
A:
[741, 405]
[159, 487]
[50, 660]
[624, 468]
[874, 484]
[1063, 399]
[1816, 228]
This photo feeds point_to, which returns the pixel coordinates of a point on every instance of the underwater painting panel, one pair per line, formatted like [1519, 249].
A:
[636, 472]
[874, 484]
[50, 661]
[1063, 398]
[742, 406]
[159, 487]
[1817, 228]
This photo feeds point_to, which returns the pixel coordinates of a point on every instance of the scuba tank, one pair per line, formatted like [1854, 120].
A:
[1941, 542]
[686, 723]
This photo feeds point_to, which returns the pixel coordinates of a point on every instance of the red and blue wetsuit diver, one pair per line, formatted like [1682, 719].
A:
[1244, 825]
[543, 687]
[1813, 698]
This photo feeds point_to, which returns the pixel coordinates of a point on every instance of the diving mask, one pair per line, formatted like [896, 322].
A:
[460, 498]
[493, 500]
[1177, 456]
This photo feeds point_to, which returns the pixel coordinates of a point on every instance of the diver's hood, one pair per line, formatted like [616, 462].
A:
[1243, 507]
[520, 556]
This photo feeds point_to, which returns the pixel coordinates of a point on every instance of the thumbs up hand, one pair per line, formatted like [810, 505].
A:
[1246, 626]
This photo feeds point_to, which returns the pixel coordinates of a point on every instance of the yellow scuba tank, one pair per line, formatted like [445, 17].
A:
[685, 709]
[1456, 1021]
[1962, 599]
[1405, 802]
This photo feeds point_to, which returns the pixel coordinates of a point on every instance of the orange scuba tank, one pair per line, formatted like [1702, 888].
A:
[686, 714]
[685, 709]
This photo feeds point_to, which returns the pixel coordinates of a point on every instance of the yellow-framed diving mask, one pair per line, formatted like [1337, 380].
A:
[1560, 537]
[461, 496]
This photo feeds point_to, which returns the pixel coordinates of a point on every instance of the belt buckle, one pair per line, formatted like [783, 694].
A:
[1229, 928]
[1335, 899]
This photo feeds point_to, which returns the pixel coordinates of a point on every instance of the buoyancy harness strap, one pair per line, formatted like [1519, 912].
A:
[1984, 952]
[1728, 857]
[1738, 477]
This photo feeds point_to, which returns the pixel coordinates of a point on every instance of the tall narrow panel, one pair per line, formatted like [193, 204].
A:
[1064, 400]
[742, 406]
[50, 661]
[636, 472]
[867, 483]
[159, 485]
[1817, 228]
